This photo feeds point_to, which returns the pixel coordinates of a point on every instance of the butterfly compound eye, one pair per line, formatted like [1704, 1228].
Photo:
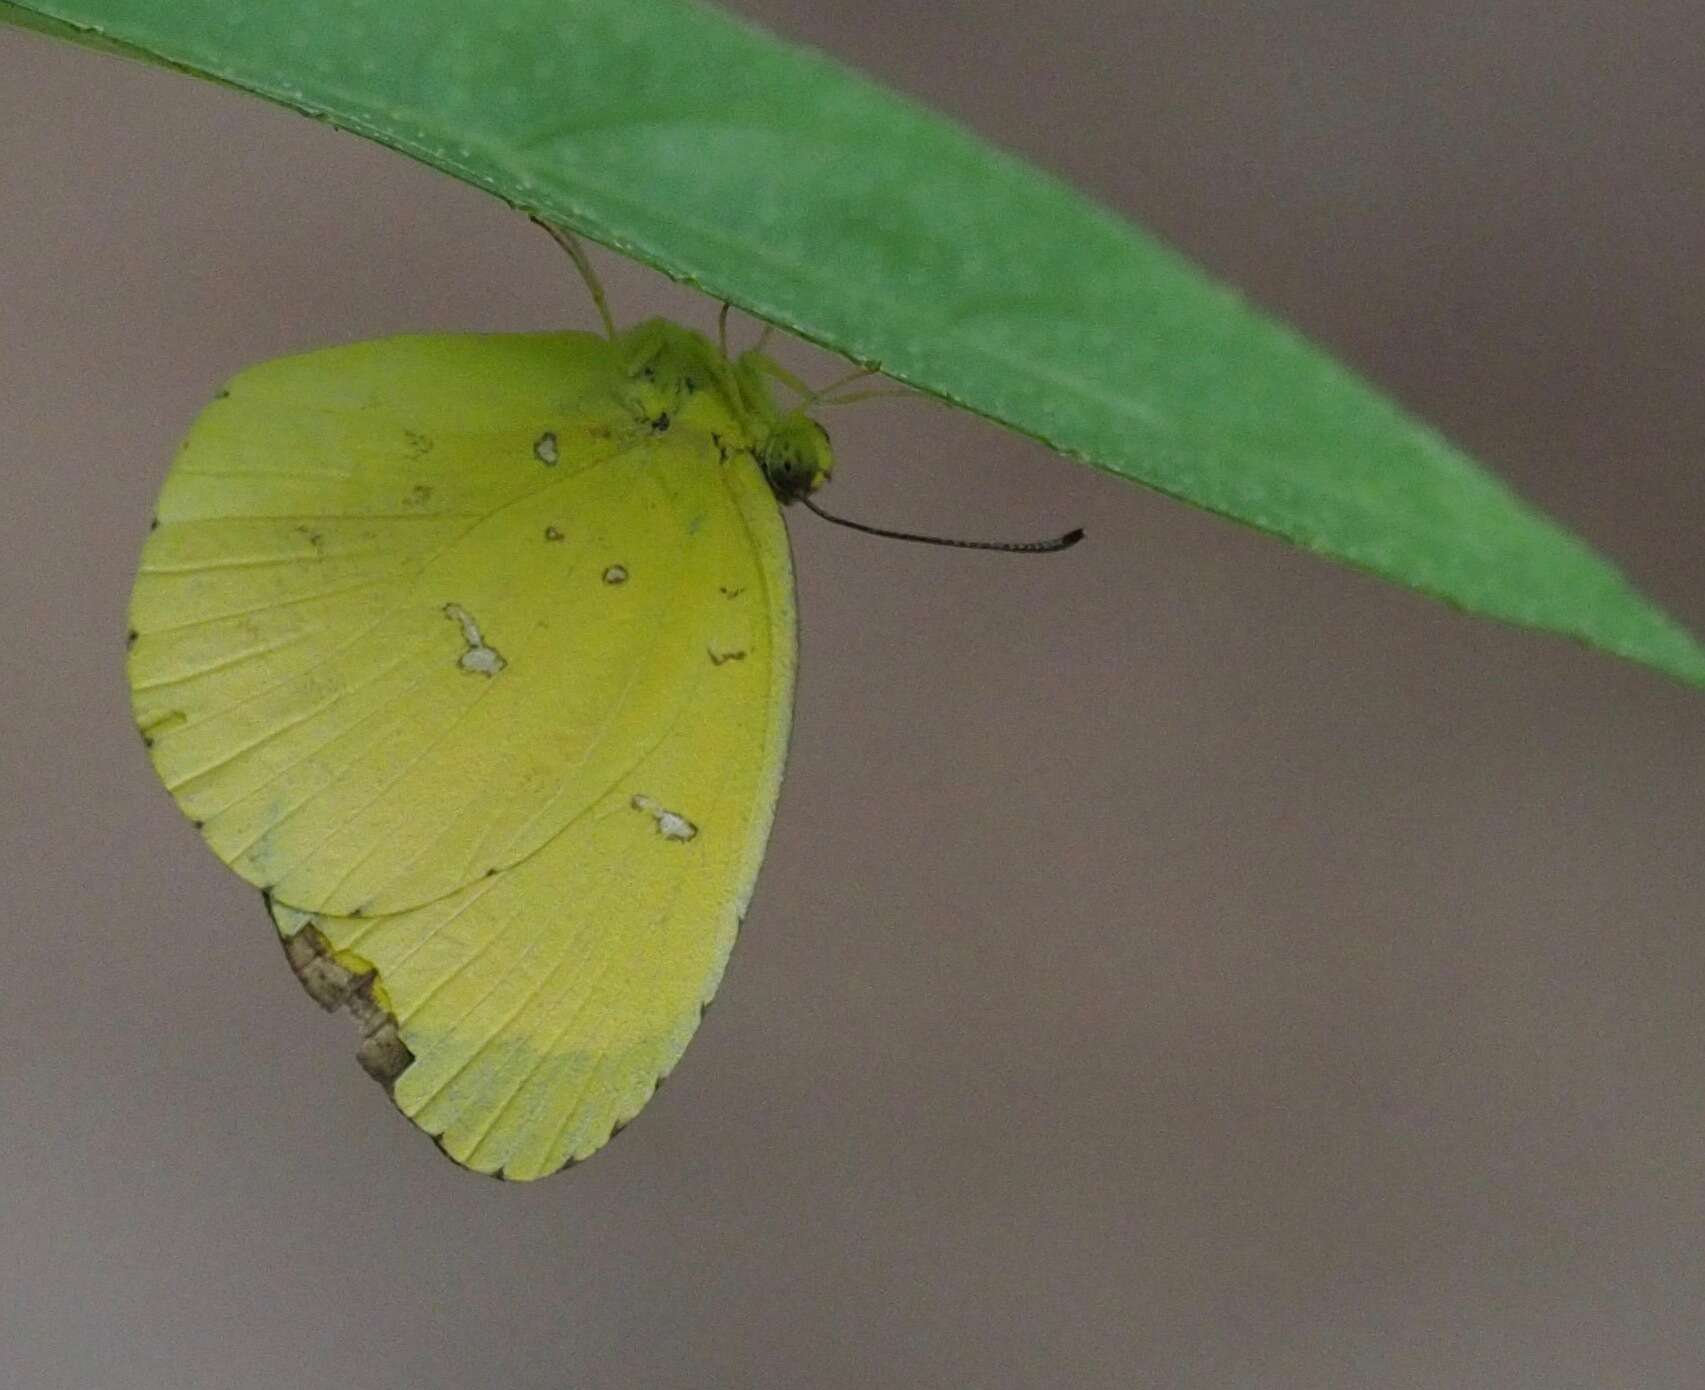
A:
[796, 457]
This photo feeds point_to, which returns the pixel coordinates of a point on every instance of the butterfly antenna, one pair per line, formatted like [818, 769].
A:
[577, 253]
[1065, 542]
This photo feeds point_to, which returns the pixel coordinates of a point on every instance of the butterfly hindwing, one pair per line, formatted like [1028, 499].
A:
[483, 672]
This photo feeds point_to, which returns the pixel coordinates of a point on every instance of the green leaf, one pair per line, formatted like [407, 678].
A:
[773, 177]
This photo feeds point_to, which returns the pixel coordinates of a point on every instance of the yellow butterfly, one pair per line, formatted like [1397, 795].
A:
[476, 655]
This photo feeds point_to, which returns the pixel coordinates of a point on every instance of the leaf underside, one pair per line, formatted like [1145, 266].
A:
[774, 178]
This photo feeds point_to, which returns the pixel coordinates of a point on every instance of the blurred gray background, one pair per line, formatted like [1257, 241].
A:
[1178, 963]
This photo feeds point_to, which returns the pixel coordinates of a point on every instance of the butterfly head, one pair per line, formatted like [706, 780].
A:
[795, 455]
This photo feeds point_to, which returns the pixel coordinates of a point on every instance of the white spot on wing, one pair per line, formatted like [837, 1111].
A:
[545, 450]
[670, 824]
[616, 574]
[480, 659]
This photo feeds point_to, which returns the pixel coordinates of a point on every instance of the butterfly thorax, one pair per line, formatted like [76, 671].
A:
[674, 376]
